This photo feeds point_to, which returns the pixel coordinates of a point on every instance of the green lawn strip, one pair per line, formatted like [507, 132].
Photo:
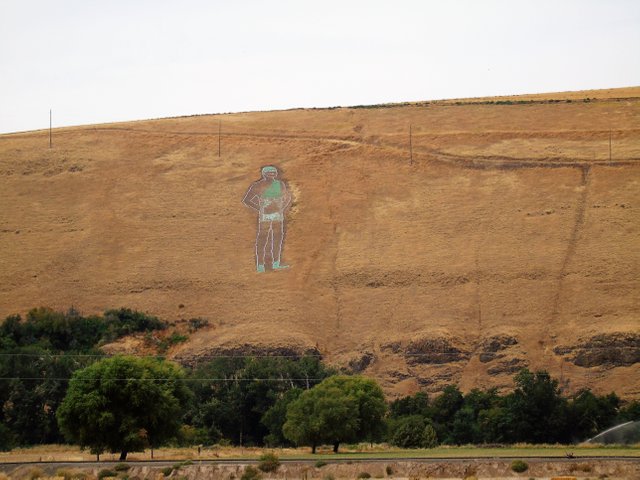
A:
[457, 452]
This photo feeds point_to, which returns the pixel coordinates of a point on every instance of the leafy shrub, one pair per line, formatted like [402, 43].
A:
[121, 467]
[328, 476]
[126, 321]
[320, 463]
[6, 440]
[429, 437]
[189, 436]
[269, 462]
[34, 473]
[251, 473]
[389, 470]
[71, 474]
[173, 339]
[177, 466]
[105, 472]
[519, 466]
[413, 432]
[197, 324]
[364, 475]
[166, 471]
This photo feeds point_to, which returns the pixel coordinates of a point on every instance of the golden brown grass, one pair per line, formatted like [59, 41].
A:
[510, 220]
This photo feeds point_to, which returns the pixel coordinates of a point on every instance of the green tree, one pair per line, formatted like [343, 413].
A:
[465, 426]
[418, 404]
[629, 411]
[443, 410]
[234, 408]
[407, 431]
[39, 354]
[536, 409]
[123, 404]
[338, 409]
[429, 437]
[275, 417]
[6, 439]
[323, 414]
[590, 414]
[413, 431]
[371, 405]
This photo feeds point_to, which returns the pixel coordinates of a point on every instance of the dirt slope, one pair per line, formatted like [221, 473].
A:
[508, 237]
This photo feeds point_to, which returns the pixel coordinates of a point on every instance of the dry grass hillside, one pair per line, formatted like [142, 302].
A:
[510, 238]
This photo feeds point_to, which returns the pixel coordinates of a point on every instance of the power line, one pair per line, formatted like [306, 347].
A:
[296, 356]
[185, 379]
[205, 357]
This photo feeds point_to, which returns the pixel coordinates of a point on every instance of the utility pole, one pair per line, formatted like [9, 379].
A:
[50, 144]
[219, 127]
[609, 143]
[410, 146]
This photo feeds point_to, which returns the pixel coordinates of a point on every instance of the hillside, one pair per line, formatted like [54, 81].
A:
[507, 237]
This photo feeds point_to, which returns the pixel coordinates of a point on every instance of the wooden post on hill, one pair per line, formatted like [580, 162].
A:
[609, 144]
[410, 146]
[219, 127]
[50, 144]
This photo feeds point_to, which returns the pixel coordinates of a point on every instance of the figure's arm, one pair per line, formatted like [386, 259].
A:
[251, 199]
[286, 196]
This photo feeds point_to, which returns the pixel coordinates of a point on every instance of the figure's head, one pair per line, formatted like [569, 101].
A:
[270, 172]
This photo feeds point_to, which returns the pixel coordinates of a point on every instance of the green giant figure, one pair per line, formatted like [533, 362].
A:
[269, 197]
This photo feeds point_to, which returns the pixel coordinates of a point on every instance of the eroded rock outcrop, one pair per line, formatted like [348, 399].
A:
[608, 350]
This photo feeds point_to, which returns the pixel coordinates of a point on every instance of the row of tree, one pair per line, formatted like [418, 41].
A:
[38, 355]
[125, 404]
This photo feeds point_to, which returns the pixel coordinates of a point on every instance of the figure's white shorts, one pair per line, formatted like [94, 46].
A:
[270, 217]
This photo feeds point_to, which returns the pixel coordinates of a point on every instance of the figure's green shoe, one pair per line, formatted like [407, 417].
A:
[277, 266]
[260, 268]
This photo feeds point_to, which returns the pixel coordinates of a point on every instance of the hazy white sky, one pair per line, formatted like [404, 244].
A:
[95, 61]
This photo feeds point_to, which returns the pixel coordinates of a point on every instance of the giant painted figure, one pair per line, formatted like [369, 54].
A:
[269, 197]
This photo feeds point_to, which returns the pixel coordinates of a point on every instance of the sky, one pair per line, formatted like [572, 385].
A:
[97, 61]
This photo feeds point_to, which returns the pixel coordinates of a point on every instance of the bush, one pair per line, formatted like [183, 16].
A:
[105, 472]
[364, 475]
[269, 462]
[177, 466]
[251, 473]
[34, 473]
[71, 474]
[197, 324]
[519, 466]
[413, 432]
[173, 339]
[389, 470]
[121, 467]
[6, 438]
[429, 437]
[166, 471]
[320, 463]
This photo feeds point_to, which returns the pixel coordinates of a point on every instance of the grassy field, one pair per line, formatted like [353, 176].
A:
[48, 453]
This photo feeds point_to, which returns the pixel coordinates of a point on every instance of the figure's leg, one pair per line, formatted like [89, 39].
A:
[278, 238]
[270, 241]
[262, 238]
